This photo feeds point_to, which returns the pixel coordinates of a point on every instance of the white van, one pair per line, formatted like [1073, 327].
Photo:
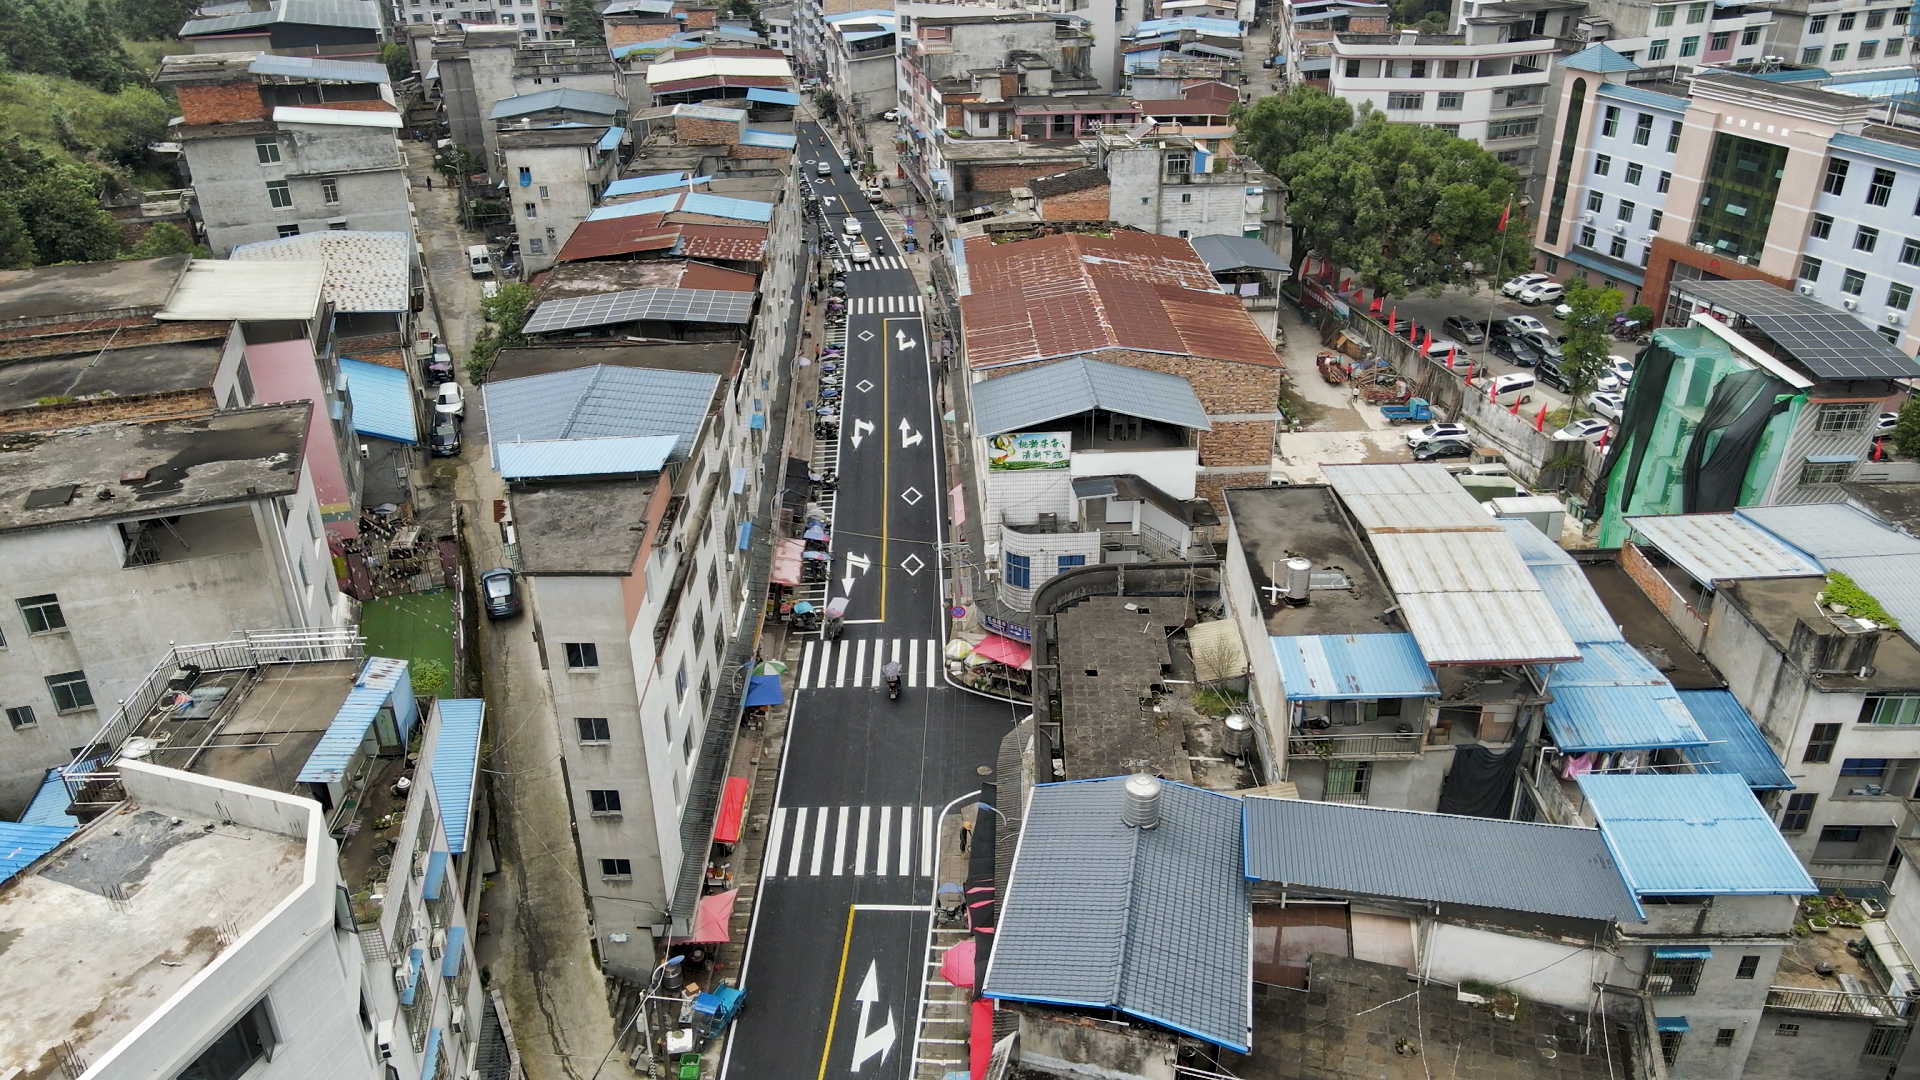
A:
[479, 260]
[1508, 389]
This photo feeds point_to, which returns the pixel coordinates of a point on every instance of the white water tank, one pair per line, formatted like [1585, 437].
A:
[1142, 809]
[1239, 736]
[1299, 580]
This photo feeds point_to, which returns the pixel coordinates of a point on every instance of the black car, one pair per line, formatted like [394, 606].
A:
[1439, 448]
[444, 441]
[1516, 350]
[1549, 374]
[1464, 330]
[501, 593]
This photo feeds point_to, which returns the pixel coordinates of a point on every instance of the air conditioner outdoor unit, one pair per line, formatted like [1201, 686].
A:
[459, 1019]
[1850, 304]
[1744, 260]
[437, 944]
[1806, 290]
[1619, 226]
[384, 1039]
[1896, 317]
[1586, 218]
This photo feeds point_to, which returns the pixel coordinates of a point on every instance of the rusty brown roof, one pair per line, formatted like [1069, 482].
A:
[653, 232]
[1063, 295]
[731, 242]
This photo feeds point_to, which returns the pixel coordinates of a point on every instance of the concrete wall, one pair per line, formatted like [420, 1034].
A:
[1554, 972]
[363, 163]
[1019, 497]
[1793, 1046]
[1265, 691]
[1043, 550]
[288, 371]
[1172, 471]
[1722, 1001]
[1061, 1044]
[1671, 603]
[565, 181]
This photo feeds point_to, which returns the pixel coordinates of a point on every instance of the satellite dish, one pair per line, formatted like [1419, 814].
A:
[138, 747]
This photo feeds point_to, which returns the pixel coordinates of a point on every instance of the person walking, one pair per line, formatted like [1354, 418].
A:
[429, 183]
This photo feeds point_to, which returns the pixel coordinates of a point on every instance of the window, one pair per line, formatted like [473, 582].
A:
[1690, 46]
[1880, 191]
[1180, 166]
[1810, 268]
[1625, 212]
[1448, 129]
[603, 800]
[1820, 744]
[1602, 165]
[1406, 100]
[1840, 834]
[1610, 122]
[1657, 48]
[1186, 196]
[1450, 99]
[1787, 1031]
[1851, 416]
[1799, 811]
[1861, 766]
[1643, 129]
[1617, 247]
[1825, 472]
[330, 191]
[1838, 53]
[1876, 19]
[1885, 1040]
[1720, 41]
[1665, 182]
[1890, 333]
[335, 225]
[1894, 45]
[1901, 711]
[1869, 49]
[1596, 202]
[1724, 1037]
[1817, 24]
[1353, 69]
[1811, 55]
[1654, 219]
[1514, 129]
[1663, 17]
[532, 209]
[616, 868]
[1019, 571]
[706, 690]
[1068, 562]
[582, 655]
[1750, 36]
[249, 1040]
[1696, 13]
[1749, 967]
[1587, 236]
[1847, 19]
[1853, 282]
[1674, 977]
[267, 149]
[593, 729]
[1348, 781]
[536, 246]
[21, 716]
[42, 614]
[686, 745]
[526, 173]
[69, 691]
[680, 682]
[1673, 136]
[1866, 238]
[1634, 172]
[279, 196]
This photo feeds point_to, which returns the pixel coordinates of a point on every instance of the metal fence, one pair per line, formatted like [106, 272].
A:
[1836, 1002]
[1354, 746]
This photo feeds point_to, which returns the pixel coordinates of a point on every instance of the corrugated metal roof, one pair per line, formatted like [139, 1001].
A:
[49, 805]
[382, 401]
[600, 402]
[1880, 148]
[21, 845]
[331, 756]
[1718, 547]
[1566, 586]
[658, 204]
[707, 67]
[1652, 99]
[1879, 558]
[699, 202]
[612, 139]
[641, 185]
[728, 307]
[1738, 746]
[1333, 667]
[314, 67]
[455, 956]
[1236, 253]
[584, 457]
[566, 97]
[288, 114]
[769, 139]
[366, 271]
[1098, 915]
[1022, 399]
[1489, 862]
[1692, 835]
[772, 97]
[347, 14]
[393, 677]
[456, 765]
[698, 112]
[1469, 598]
[215, 290]
[1408, 498]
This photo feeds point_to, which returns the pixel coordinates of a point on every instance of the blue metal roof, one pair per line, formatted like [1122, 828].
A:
[641, 185]
[456, 946]
[331, 756]
[698, 202]
[1878, 557]
[659, 204]
[600, 401]
[1336, 667]
[1201, 23]
[566, 98]
[314, 67]
[382, 401]
[1855, 144]
[1601, 266]
[1692, 835]
[456, 766]
[772, 97]
[1739, 748]
[385, 673]
[21, 844]
[612, 139]
[49, 805]
[1599, 58]
[436, 875]
[1652, 99]
[769, 139]
[1792, 75]
[1613, 698]
[585, 457]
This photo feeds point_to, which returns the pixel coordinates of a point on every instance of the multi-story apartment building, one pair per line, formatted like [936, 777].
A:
[554, 177]
[283, 145]
[481, 66]
[1684, 33]
[1843, 36]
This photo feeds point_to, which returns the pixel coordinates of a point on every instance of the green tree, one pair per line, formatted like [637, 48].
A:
[399, 61]
[150, 20]
[508, 309]
[583, 23]
[1906, 431]
[164, 239]
[63, 214]
[16, 243]
[1591, 312]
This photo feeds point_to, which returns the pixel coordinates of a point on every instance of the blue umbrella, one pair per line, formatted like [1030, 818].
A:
[764, 690]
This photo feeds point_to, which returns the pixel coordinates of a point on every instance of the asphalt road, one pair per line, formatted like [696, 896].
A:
[835, 955]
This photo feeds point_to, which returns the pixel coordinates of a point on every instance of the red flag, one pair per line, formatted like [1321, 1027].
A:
[1603, 438]
[1426, 342]
[1451, 353]
[1540, 422]
[1493, 391]
[1879, 445]
[1393, 321]
[1503, 215]
[1515, 410]
[1346, 284]
[1375, 306]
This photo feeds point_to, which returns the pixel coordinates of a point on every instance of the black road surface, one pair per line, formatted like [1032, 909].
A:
[835, 960]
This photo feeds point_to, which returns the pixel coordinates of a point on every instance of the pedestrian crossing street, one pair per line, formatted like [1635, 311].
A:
[883, 305]
[850, 841]
[857, 662]
[878, 262]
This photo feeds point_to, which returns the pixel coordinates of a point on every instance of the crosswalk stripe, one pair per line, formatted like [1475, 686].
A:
[819, 842]
[913, 662]
[933, 663]
[906, 841]
[878, 262]
[799, 841]
[815, 842]
[845, 664]
[771, 857]
[806, 663]
[840, 673]
[860, 844]
[885, 305]
[840, 843]
[886, 819]
[879, 649]
[927, 825]
[860, 659]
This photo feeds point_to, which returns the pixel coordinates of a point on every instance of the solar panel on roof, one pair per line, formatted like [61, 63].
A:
[1829, 343]
[673, 305]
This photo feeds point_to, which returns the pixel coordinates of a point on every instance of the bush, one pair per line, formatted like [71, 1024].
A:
[430, 677]
[1843, 592]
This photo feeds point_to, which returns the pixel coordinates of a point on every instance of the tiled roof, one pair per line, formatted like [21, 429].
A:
[1059, 295]
[366, 271]
[1066, 183]
[651, 232]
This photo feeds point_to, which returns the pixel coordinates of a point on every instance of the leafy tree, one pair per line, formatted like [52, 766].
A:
[399, 61]
[1585, 350]
[16, 243]
[508, 309]
[57, 37]
[63, 213]
[828, 105]
[164, 239]
[748, 10]
[1906, 431]
[149, 20]
[583, 23]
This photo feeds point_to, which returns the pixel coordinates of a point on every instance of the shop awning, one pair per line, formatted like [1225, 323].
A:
[733, 810]
[764, 690]
[711, 919]
[1006, 651]
[786, 561]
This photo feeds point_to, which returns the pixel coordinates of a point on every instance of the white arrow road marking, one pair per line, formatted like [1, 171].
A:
[902, 341]
[880, 1040]
[860, 431]
[859, 562]
[908, 436]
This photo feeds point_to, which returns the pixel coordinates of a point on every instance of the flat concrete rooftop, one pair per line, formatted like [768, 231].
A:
[147, 369]
[1277, 523]
[1774, 605]
[117, 920]
[586, 528]
[48, 293]
[254, 727]
[1114, 661]
[1647, 630]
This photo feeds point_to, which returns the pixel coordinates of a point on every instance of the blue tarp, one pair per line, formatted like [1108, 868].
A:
[772, 97]
[764, 690]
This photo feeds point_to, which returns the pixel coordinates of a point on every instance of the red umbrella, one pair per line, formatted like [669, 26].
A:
[957, 965]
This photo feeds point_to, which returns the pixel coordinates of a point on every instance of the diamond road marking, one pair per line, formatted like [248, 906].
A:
[866, 335]
[913, 565]
[912, 495]
[863, 386]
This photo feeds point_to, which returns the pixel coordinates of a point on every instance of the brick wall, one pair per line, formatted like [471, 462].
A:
[1088, 205]
[1664, 596]
[701, 18]
[690, 131]
[1367, 24]
[1008, 177]
[222, 104]
[1009, 85]
[1237, 442]
[759, 152]
[107, 410]
[622, 33]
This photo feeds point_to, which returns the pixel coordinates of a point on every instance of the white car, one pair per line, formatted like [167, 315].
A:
[851, 226]
[1607, 405]
[447, 399]
[859, 250]
[1886, 421]
[1442, 346]
[1523, 325]
[1513, 287]
[1587, 429]
[1563, 311]
[1620, 368]
[1542, 292]
[1421, 436]
[891, 114]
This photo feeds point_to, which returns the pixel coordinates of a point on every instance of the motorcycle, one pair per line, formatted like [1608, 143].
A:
[892, 673]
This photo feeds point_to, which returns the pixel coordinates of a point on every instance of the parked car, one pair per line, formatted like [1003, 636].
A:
[500, 592]
[1420, 436]
[1516, 350]
[890, 114]
[1463, 329]
[1522, 324]
[1562, 311]
[1607, 405]
[823, 168]
[447, 400]
[440, 367]
[1886, 421]
[1442, 346]
[1544, 343]
[444, 440]
[1542, 292]
[1515, 285]
[1585, 429]
[1455, 446]
[1620, 368]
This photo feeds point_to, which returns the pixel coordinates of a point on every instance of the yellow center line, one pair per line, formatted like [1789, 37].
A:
[886, 466]
[840, 983]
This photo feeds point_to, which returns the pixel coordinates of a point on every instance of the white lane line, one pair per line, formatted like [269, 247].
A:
[860, 660]
[799, 841]
[826, 663]
[819, 842]
[906, 841]
[933, 662]
[879, 647]
[860, 844]
[880, 856]
[840, 671]
[896, 651]
[806, 664]
[840, 844]
[927, 824]
[913, 663]
[771, 862]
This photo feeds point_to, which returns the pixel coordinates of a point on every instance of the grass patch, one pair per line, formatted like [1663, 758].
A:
[417, 628]
[1846, 596]
[78, 123]
[1216, 701]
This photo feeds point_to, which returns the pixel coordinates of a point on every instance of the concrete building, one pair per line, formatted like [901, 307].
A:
[1838, 38]
[1165, 182]
[481, 66]
[280, 145]
[861, 68]
[1683, 35]
[1192, 40]
[293, 28]
[554, 176]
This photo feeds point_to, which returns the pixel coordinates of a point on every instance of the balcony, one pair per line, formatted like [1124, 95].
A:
[1834, 1002]
[1357, 747]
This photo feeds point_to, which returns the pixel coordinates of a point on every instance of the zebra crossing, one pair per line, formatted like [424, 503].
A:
[883, 305]
[878, 262]
[845, 663]
[850, 841]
